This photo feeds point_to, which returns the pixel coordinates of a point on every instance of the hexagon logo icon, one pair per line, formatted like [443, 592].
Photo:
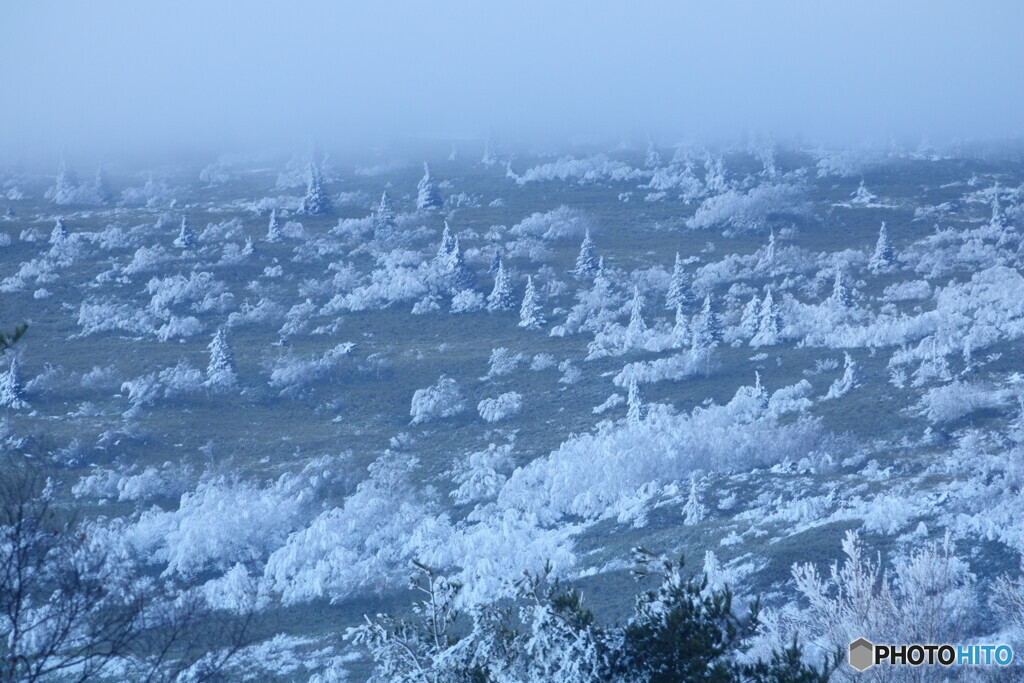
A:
[862, 654]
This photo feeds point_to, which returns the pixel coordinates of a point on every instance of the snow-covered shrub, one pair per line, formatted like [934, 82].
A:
[907, 291]
[751, 210]
[561, 223]
[292, 374]
[504, 406]
[481, 474]
[444, 399]
[502, 362]
[468, 301]
[598, 475]
[592, 169]
[953, 401]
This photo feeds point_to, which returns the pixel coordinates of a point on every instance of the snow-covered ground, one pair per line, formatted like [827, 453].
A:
[799, 367]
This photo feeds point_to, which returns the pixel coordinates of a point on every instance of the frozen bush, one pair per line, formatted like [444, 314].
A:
[504, 406]
[441, 400]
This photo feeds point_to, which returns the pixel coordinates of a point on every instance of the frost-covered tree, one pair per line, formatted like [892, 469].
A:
[750, 317]
[636, 328]
[101, 187]
[444, 251]
[501, 297]
[707, 328]
[221, 372]
[64, 187]
[586, 262]
[681, 328]
[12, 393]
[679, 293]
[489, 158]
[845, 383]
[274, 233]
[59, 233]
[885, 255]
[186, 238]
[492, 269]
[462, 276]
[769, 324]
[634, 403]
[427, 196]
[316, 201]
[767, 258]
[384, 216]
[531, 315]
[862, 195]
[652, 159]
[841, 295]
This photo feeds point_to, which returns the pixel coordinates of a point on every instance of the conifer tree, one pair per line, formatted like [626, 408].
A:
[767, 260]
[531, 315]
[384, 216]
[274, 233]
[586, 262]
[492, 269]
[462, 276]
[186, 238]
[634, 403]
[444, 251]
[841, 294]
[315, 202]
[101, 188]
[884, 256]
[679, 294]
[501, 297]
[427, 197]
[652, 159]
[707, 328]
[12, 394]
[59, 233]
[681, 329]
[637, 326]
[769, 325]
[221, 372]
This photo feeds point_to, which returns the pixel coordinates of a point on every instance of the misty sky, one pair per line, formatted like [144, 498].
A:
[109, 77]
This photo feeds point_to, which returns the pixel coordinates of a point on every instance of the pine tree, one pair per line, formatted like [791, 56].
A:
[601, 280]
[12, 395]
[489, 158]
[586, 262]
[427, 197]
[64, 188]
[101, 188]
[274, 233]
[492, 269]
[501, 297]
[652, 158]
[884, 256]
[637, 326]
[680, 331]
[531, 315]
[707, 328]
[186, 238]
[750, 316]
[59, 233]
[221, 372]
[384, 216]
[862, 195]
[444, 251]
[997, 209]
[462, 276]
[769, 325]
[634, 403]
[315, 202]
[679, 294]
[841, 295]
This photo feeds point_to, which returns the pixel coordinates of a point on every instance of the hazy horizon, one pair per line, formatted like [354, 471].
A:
[113, 79]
